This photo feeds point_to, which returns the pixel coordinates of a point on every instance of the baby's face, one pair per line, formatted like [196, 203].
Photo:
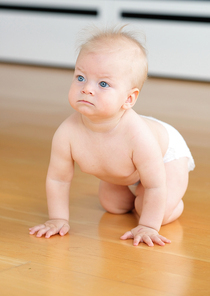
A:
[101, 83]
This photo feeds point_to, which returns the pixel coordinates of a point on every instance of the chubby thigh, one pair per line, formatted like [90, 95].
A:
[119, 199]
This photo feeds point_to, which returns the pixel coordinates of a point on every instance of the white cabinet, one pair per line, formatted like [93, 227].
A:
[45, 32]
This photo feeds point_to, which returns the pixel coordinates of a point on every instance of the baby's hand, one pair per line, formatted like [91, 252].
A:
[51, 227]
[147, 235]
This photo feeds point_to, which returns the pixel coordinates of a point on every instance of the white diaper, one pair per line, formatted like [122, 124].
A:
[177, 148]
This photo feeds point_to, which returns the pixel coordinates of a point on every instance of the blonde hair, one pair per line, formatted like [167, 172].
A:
[103, 39]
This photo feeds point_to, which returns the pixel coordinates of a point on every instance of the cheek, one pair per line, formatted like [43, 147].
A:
[73, 92]
[70, 95]
[110, 105]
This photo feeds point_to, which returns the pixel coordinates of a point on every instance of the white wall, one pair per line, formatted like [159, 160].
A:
[175, 48]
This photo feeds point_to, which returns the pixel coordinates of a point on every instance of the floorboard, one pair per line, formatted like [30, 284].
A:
[92, 260]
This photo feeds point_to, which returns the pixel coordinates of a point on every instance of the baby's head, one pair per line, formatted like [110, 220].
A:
[117, 43]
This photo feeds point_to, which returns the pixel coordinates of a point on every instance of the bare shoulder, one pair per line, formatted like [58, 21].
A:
[70, 122]
[136, 127]
[148, 130]
[148, 138]
[68, 127]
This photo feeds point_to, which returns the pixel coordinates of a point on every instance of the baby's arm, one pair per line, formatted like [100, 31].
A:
[151, 208]
[59, 176]
[151, 216]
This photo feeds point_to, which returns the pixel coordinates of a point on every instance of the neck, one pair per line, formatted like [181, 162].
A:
[101, 125]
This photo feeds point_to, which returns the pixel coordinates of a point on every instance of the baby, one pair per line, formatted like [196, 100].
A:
[143, 163]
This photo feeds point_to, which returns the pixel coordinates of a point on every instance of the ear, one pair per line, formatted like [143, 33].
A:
[131, 99]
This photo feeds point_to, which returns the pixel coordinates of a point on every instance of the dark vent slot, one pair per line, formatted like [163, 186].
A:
[51, 10]
[165, 17]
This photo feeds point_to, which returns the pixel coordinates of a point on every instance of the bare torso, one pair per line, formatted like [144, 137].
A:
[109, 155]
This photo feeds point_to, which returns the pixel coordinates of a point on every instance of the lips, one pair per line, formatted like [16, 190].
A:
[85, 102]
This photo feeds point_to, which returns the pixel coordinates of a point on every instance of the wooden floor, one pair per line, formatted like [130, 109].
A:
[92, 260]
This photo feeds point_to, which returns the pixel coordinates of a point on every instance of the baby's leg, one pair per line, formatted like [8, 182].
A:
[116, 199]
[177, 182]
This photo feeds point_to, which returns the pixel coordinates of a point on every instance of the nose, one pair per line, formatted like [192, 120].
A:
[87, 90]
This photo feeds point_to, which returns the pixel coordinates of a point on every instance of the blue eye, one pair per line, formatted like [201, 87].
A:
[104, 84]
[80, 78]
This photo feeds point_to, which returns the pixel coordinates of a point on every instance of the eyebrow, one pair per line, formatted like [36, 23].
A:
[105, 76]
[78, 68]
[101, 76]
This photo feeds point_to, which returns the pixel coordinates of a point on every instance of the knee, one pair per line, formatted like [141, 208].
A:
[105, 202]
[111, 204]
[111, 209]
[172, 215]
[108, 205]
[138, 205]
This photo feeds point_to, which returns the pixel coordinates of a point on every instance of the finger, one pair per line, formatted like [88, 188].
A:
[127, 235]
[64, 229]
[137, 240]
[164, 239]
[158, 241]
[147, 240]
[51, 231]
[42, 231]
[36, 228]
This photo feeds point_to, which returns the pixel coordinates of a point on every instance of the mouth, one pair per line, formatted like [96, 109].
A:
[86, 102]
